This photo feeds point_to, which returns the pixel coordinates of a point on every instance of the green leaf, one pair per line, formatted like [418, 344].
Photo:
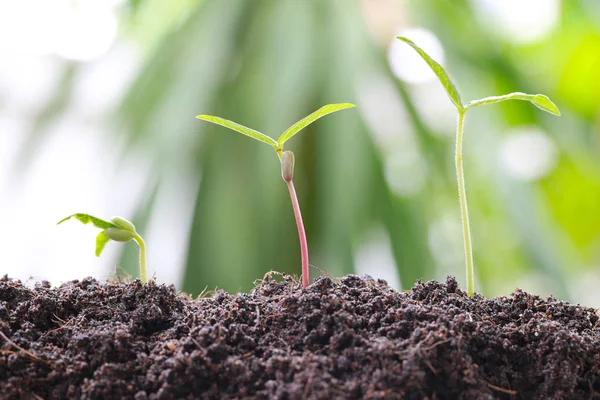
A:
[101, 241]
[321, 112]
[86, 218]
[539, 100]
[439, 71]
[239, 128]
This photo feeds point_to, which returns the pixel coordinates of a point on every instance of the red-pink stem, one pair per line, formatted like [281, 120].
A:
[301, 232]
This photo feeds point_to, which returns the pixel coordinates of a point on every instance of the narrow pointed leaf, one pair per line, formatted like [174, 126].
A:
[86, 218]
[239, 128]
[440, 72]
[539, 100]
[321, 112]
[101, 241]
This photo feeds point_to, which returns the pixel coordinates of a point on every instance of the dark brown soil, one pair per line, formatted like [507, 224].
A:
[347, 339]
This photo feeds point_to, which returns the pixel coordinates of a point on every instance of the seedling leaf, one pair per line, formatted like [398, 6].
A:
[86, 218]
[101, 241]
[539, 100]
[239, 128]
[440, 72]
[321, 112]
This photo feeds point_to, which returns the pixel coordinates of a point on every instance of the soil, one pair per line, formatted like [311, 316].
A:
[346, 339]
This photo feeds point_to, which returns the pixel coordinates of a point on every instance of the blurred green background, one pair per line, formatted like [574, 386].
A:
[376, 183]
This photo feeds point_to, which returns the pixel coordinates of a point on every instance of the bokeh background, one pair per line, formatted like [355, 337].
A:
[97, 107]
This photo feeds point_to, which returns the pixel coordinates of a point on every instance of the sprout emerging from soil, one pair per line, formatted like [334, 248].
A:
[539, 100]
[287, 162]
[118, 229]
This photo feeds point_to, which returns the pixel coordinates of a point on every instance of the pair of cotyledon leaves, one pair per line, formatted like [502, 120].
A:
[117, 229]
[539, 100]
[291, 131]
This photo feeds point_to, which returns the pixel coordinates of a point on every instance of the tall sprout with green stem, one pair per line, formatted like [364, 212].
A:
[117, 229]
[287, 162]
[539, 100]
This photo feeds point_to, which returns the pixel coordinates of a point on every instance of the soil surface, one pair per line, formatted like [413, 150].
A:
[346, 339]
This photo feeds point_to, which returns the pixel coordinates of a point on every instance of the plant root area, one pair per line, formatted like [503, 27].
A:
[352, 338]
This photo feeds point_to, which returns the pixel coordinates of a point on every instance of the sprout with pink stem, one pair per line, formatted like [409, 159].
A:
[287, 162]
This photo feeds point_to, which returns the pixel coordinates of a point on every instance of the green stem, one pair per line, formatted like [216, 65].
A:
[143, 270]
[464, 211]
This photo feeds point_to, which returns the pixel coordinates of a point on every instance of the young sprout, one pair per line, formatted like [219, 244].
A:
[538, 100]
[287, 162]
[119, 230]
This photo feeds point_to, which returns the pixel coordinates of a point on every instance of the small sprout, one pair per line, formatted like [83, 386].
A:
[119, 230]
[539, 100]
[287, 162]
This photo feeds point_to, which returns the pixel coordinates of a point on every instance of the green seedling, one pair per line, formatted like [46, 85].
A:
[287, 162]
[539, 100]
[119, 230]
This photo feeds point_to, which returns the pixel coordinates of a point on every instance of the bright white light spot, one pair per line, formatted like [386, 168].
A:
[28, 81]
[12, 134]
[406, 63]
[382, 109]
[434, 107]
[517, 20]
[528, 154]
[375, 258]
[100, 84]
[88, 31]
[405, 172]
[79, 30]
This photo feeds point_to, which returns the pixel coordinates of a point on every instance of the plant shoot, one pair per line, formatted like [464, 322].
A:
[539, 100]
[117, 229]
[287, 162]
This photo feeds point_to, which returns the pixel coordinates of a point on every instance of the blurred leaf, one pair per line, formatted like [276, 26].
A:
[578, 83]
[539, 100]
[439, 71]
[321, 112]
[573, 190]
[239, 128]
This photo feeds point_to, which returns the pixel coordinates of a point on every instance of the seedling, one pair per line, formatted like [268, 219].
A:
[539, 100]
[287, 162]
[119, 230]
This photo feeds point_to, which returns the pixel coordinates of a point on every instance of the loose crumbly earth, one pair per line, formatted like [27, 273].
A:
[347, 339]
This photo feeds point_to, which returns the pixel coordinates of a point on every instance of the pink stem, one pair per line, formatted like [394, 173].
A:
[301, 232]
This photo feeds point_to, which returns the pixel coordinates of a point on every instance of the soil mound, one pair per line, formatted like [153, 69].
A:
[347, 339]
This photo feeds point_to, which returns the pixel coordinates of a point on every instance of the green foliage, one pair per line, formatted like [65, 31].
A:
[118, 229]
[439, 71]
[101, 241]
[240, 128]
[304, 122]
[291, 131]
[86, 218]
[539, 100]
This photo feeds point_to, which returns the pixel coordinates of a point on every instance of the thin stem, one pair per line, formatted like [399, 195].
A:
[301, 232]
[464, 212]
[142, 244]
